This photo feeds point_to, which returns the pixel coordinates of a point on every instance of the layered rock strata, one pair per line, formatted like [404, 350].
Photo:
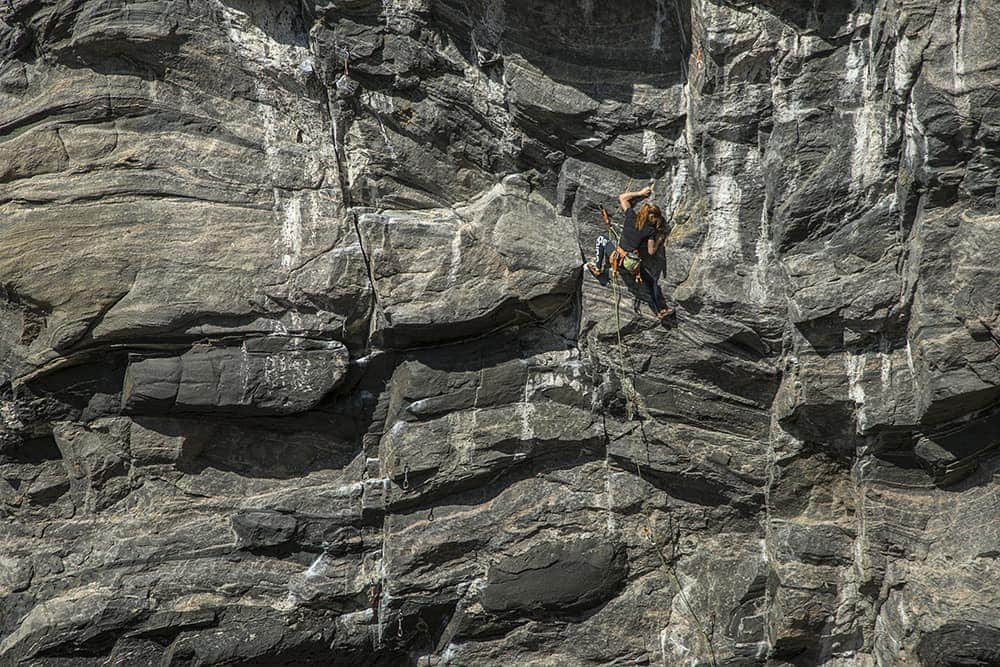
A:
[299, 366]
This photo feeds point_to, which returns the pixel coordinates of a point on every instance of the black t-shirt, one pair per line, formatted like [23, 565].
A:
[632, 238]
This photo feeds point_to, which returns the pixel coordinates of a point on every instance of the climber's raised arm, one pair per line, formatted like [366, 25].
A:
[625, 199]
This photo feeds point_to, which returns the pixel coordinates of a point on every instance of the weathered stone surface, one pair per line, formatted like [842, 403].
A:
[272, 375]
[500, 259]
[560, 578]
[296, 364]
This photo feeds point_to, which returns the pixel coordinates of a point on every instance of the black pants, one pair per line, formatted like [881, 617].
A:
[603, 248]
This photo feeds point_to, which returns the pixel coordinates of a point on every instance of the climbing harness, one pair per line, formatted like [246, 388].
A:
[619, 258]
[629, 261]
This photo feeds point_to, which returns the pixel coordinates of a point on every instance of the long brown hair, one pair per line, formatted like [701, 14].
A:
[649, 213]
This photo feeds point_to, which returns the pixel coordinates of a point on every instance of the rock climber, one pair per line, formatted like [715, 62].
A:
[643, 231]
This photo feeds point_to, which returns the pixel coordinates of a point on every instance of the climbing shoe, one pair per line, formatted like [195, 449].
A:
[664, 313]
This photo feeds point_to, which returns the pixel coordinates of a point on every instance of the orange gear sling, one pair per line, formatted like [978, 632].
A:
[619, 258]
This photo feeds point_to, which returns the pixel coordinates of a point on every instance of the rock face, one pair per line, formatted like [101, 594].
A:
[299, 367]
[266, 375]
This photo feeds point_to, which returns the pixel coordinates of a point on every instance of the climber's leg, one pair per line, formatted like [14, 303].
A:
[660, 308]
[602, 251]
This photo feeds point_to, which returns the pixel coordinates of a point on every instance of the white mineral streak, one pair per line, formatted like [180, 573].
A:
[388, 11]
[455, 263]
[525, 411]
[315, 570]
[265, 35]
[382, 104]
[885, 357]
[291, 232]
[855, 366]
[963, 100]
[866, 128]
[683, 628]
[245, 372]
[765, 255]
[958, 48]
[909, 359]
[449, 653]
[609, 495]
[726, 195]
[650, 148]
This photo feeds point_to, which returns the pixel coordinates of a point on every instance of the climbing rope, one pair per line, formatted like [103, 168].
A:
[632, 404]
[628, 388]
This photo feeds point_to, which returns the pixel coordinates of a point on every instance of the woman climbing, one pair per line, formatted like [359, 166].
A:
[642, 231]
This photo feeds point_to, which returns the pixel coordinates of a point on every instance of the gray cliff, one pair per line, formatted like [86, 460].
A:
[299, 365]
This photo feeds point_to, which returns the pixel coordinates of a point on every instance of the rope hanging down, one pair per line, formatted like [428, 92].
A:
[628, 388]
[632, 404]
